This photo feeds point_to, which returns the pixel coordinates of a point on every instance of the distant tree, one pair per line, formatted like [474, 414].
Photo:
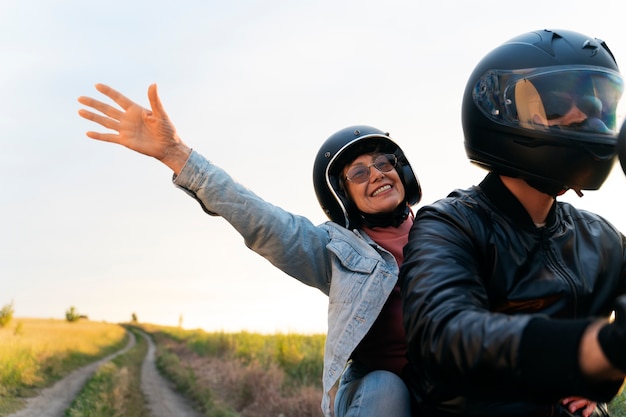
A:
[180, 321]
[19, 328]
[72, 315]
[6, 314]
[134, 318]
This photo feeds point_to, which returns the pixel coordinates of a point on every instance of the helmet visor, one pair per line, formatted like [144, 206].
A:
[570, 99]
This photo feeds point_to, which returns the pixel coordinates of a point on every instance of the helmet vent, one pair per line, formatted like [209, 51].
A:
[588, 45]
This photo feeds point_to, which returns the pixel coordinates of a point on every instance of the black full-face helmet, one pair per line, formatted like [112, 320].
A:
[621, 147]
[543, 107]
[342, 148]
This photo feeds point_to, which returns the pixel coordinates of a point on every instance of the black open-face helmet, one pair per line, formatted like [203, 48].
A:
[342, 148]
[518, 100]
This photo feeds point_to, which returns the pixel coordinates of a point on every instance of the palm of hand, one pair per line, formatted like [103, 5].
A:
[147, 132]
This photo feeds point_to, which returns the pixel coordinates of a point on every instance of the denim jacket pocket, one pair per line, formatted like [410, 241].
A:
[351, 269]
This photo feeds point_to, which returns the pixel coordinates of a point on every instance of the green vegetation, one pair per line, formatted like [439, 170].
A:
[6, 314]
[72, 315]
[115, 388]
[617, 407]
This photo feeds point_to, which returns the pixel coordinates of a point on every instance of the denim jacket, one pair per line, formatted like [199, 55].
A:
[347, 265]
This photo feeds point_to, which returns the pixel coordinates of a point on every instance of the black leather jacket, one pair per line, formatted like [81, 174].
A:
[495, 306]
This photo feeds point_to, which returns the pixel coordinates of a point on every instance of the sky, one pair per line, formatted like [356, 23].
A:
[256, 87]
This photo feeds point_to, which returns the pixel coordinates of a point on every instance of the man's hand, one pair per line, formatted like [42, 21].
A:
[574, 404]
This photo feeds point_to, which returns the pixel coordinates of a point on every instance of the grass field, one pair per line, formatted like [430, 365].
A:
[299, 356]
[231, 374]
[36, 352]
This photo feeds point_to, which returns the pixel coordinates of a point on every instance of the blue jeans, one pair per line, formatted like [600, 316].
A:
[371, 394]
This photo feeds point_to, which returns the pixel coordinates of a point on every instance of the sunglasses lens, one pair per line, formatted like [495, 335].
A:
[385, 163]
[358, 174]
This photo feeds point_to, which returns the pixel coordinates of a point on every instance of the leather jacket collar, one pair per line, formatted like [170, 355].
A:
[504, 200]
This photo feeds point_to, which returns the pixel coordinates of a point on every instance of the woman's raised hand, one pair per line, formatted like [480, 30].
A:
[149, 132]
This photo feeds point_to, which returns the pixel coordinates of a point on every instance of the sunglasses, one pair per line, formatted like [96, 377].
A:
[361, 173]
[558, 104]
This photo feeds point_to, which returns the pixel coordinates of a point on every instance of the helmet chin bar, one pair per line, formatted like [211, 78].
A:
[621, 147]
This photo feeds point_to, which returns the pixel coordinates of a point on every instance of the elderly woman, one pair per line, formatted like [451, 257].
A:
[366, 187]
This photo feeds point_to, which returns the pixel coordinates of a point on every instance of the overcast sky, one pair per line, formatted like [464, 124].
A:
[255, 86]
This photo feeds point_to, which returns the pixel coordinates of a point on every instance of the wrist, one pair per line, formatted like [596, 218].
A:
[176, 156]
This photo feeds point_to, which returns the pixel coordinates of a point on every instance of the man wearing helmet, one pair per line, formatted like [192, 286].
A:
[366, 186]
[507, 292]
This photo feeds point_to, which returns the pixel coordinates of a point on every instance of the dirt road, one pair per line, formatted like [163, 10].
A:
[163, 402]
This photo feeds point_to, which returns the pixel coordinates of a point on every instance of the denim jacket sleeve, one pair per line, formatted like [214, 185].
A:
[290, 242]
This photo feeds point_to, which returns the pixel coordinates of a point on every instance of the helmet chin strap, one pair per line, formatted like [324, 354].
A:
[395, 218]
[578, 191]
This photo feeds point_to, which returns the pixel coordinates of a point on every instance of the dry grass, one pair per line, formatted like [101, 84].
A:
[253, 390]
[249, 388]
[50, 336]
[36, 352]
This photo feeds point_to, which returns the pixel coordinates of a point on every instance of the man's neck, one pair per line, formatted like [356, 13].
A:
[536, 203]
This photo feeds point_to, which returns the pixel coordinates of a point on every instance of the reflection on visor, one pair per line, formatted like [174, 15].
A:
[569, 98]
[564, 110]
[557, 104]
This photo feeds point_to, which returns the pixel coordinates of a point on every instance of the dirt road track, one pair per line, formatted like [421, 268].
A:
[52, 402]
[162, 400]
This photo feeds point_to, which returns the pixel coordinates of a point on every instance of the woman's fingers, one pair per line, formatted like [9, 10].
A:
[105, 137]
[155, 101]
[123, 101]
[107, 122]
[103, 108]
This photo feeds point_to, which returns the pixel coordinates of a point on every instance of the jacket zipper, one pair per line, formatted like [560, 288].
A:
[555, 262]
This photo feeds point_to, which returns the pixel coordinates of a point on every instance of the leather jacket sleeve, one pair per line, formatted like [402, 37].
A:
[452, 333]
